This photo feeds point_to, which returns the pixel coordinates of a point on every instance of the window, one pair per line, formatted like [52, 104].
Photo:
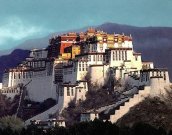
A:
[84, 85]
[86, 66]
[125, 55]
[94, 59]
[40, 63]
[23, 74]
[116, 55]
[19, 75]
[136, 57]
[83, 66]
[72, 91]
[113, 55]
[79, 66]
[43, 64]
[146, 77]
[96, 114]
[104, 58]
[100, 57]
[89, 57]
[122, 55]
[164, 76]
[119, 55]
[160, 73]
[141, 77]
[152, 73]
[14, 76]
[68, 92]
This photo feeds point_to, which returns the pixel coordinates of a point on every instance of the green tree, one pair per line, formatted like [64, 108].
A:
[12, 122]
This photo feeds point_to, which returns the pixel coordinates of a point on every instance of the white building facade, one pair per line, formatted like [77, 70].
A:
[67, 80]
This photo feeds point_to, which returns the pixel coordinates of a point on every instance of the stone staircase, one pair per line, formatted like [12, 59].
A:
[124, 109]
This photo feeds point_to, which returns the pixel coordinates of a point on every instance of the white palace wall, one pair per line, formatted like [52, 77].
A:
[71, 92]
[98, 74]
[41, 88]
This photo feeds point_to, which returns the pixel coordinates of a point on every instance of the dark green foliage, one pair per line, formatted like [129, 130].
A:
[32, 130]
[46, 104]
[95, 127]
[35, 108]
[13, 122]
[170, 133]
[145, 129]
[8, 106]
[95, 99]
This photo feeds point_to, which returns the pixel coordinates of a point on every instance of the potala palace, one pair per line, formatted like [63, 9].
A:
[73, 61]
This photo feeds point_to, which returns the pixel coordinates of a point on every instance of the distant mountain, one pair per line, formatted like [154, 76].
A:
[44, 41]
[12, 60]
[155, 43]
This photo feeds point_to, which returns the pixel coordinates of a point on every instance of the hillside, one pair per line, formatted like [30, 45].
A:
[154, 111]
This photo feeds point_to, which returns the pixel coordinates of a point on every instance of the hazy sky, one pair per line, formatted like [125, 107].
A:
[26, 19]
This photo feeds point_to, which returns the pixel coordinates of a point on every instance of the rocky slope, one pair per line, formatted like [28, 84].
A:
[153, 111]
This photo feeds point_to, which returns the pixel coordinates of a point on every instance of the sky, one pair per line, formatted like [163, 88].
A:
[28, 19]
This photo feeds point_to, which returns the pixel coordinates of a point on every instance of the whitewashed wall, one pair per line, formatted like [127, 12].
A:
[41, 88]
[98, 74]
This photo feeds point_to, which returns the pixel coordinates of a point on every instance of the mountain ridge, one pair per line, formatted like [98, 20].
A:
[12, 60]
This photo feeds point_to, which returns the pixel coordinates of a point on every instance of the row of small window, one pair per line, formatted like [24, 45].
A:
[70, 91]
[145, 77]
[10, 91]
[25, 75]
[83, 66]
[37, 64]
[119, 55]
[159, 73]
[22, 75]
[146, 66]
[96, 57]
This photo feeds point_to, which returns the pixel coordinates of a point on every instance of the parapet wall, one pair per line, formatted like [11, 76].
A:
[158, 86]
